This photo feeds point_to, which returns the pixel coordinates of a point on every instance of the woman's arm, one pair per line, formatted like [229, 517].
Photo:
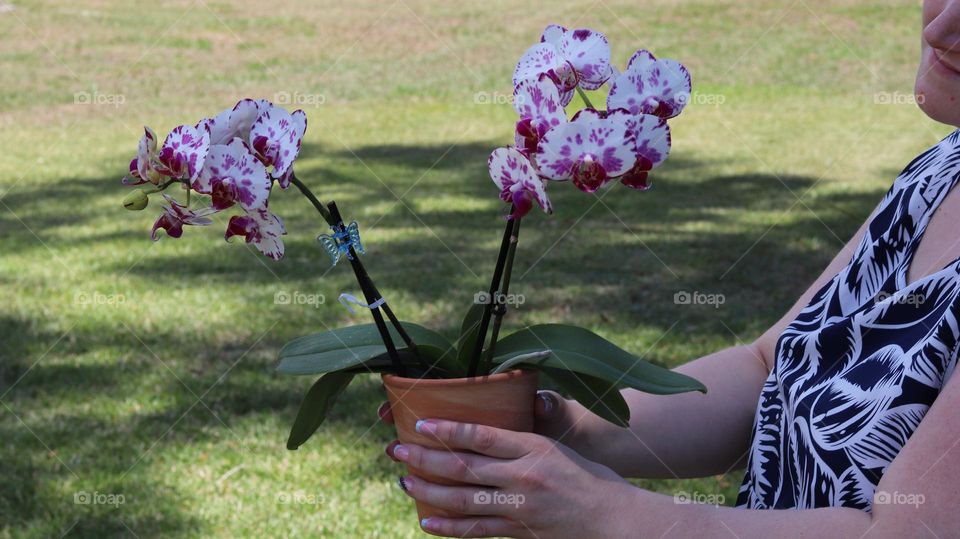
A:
[539, 488]
[916, 497]
[685, 435]
[691, 434]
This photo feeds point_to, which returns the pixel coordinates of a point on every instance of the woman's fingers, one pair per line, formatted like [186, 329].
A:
[385, 413]
[494, 442]
[465, 500]
[469, 527]
[461, 467]
[550, 415]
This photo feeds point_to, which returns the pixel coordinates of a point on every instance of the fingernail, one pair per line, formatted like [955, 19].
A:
[390, 449]
[401, 452]
[405, 483]
[424, 523]
[382, 410]
[426, 427]
[547, 402]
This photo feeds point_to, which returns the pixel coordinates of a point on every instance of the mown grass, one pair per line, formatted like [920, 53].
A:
[161, 389]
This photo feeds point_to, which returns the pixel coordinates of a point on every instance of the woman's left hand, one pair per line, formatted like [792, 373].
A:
[527, 485]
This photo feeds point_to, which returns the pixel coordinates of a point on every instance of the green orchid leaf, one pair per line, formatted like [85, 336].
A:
[315, 405]
[349, 347]
[582, 351]
[469, 331]
[597, 395]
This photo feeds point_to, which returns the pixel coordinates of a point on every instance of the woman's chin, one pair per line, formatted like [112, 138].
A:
[938, 97]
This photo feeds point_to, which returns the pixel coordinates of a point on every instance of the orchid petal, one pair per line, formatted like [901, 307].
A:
[236, 122]
[276, 137]
[537, 60]
[552, 34]
[261, 228]
[184, 151]
[538, 190]
[146, 151]
[133, 175]
[173, 227]
[589, 53]
[539, 100]
[517, 180]
[538, 104]
[271, 228]
[232, 174]
[241, 225]
[651, 86]
[588, 141]
[219, 125]
[651, 138]
[244, 114]
[176, 215]
[509, 167]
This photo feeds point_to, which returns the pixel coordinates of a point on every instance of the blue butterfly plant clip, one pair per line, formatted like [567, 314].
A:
[339, 243]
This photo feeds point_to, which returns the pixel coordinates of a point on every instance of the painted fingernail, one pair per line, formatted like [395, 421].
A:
[425, 523]
[401, 452]
[390, 449]
[405, 483]
[547, 401]
[426, 427]
[382, 410]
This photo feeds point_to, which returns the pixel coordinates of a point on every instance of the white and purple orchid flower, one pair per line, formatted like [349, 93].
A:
[232, 175]
[275, 138]
[261, 228]
[651, 86]
[591, 149]
[571, 58]
[274, 135]
[236, 122]
[234, 158]
[519, 185]
[537, 101]
[180, 158]
[175, 215]
[623, 143]
[649, 137]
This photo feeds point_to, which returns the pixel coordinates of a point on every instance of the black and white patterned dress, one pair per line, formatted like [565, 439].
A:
[859, 367]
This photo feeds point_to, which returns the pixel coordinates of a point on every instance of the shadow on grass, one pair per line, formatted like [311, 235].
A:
[616, 259]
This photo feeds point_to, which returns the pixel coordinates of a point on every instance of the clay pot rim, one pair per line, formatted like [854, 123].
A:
[425, 383]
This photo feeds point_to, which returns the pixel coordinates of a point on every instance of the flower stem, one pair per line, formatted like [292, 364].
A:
[494, 290]
[160, 187]
[583, 96]
[501, 309]
[312, 198]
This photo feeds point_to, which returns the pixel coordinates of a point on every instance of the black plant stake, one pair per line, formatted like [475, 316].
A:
[331, 214]
[493, 297]
[500, 309]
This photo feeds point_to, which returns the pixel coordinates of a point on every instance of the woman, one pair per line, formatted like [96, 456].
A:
[857, 426]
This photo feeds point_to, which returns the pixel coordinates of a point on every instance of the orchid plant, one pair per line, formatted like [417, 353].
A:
[235, 157]
[591, 148]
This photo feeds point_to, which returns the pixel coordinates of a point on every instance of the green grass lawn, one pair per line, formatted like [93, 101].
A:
[161, 390]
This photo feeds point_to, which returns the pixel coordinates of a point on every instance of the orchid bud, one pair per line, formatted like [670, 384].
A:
[154, 177]
[136, 200]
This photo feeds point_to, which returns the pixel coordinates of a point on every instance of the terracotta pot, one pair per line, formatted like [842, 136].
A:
[504, 400]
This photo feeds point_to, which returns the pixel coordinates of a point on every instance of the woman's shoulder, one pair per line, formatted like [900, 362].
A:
[934, 170]
[943, 153]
